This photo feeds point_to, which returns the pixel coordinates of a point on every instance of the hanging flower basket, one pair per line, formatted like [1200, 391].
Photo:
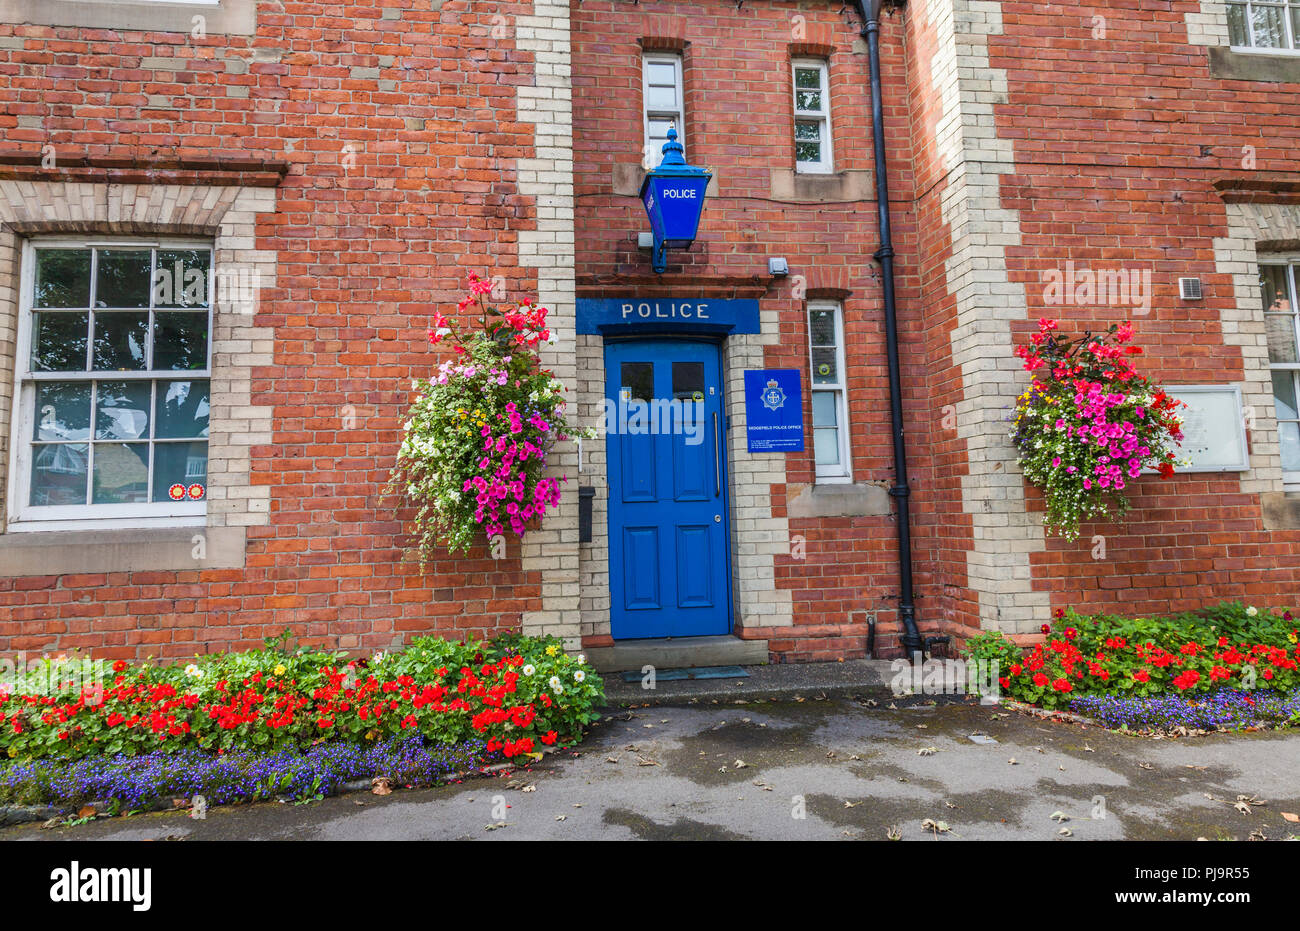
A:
[474, 446]
[1089, 424]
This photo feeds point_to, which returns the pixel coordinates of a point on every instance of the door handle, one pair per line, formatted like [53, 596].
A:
[717, 459]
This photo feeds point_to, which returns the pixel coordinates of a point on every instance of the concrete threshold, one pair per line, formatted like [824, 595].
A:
[678, 653]
[782, 682]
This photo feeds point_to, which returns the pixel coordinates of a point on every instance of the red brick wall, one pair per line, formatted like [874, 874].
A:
[364, 253]
[1118, 144]
[739, 121]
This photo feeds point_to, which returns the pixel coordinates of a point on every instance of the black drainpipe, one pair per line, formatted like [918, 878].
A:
[912, 642]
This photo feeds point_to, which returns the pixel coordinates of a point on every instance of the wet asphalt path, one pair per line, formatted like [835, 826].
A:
[829, 770]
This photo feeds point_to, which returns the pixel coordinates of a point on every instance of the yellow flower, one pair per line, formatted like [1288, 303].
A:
[550, 651]
[280, 669]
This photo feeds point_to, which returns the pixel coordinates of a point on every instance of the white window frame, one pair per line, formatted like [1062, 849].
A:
[826, 164]
[1290, 261]
[842, 472]
[678, 116]
[1288, 26]
[23, 516]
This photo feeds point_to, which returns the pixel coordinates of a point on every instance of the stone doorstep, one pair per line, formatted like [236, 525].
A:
[678, 653]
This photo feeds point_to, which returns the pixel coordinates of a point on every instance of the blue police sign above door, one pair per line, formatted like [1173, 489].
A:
[773, 411]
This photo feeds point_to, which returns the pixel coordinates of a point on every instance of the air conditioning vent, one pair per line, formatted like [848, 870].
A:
[1189, 289]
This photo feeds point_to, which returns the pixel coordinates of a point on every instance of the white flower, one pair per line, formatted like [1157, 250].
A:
[529, 669]
[555, 682]
[193, 671]
[377, 658]
[558, 689]
[582, 658]
[1252, 611]
[579, 676]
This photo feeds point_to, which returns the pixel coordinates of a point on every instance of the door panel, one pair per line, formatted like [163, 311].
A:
[669, 549]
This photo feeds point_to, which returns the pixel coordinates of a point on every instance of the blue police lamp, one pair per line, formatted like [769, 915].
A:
[673, 195]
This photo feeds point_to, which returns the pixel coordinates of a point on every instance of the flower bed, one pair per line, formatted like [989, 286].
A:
[1227, 709]
[1228, 647]
[129, 783]
[514, 693]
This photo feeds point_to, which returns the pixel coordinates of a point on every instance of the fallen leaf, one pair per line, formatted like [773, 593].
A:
[496, 826]
[87, 811]
[1065, 832]
[561, 817]
[1059, 816]
[1291, 816]
[741, 764]
[893, 832]
[848, 804]
[379, 786]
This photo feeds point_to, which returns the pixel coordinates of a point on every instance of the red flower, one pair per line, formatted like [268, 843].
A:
[119, 666]
[1185, 680]
[1061, 685]
[549, 737]
[1046, 628]
[1070, 633]
[1040, 680]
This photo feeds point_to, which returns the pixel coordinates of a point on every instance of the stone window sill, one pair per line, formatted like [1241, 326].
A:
[227, 17]
[1283, 67]
[847, 186]
[77, 552]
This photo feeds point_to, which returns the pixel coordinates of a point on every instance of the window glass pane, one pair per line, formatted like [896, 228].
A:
[62, 411]
[824, 409]
[122, 410]
[180, 340]
[119, 341]
[1267, 27]
[660, 98]
[807, 146]
[822, 323]
[661, 72]
[639, 378]
[1273, 290]
[808, 78]
[183, 408]
[180, 464]
[1237, 34]
[1280, 331]
[659, 132]
[826, 445]
[688, 381]
[62, 278]
[122, 278]
[1295, 26]
[121, 473]
[181, 278]
[1284, 395]
[58, 474]
[59, 342]
[824, 370]
[1290, 436]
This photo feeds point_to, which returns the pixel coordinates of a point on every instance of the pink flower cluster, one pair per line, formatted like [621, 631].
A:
[501, 487]
[1124, 452]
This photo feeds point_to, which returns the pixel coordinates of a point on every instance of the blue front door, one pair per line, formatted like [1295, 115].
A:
[669, 570]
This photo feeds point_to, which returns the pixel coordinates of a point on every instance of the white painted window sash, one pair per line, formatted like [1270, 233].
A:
[842, 471]
[821, 116]
[22, 516]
